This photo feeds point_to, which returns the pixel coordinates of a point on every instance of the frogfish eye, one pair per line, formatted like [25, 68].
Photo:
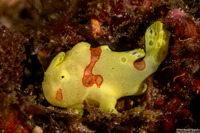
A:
[62, 77]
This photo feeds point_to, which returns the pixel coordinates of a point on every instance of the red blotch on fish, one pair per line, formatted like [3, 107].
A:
[89, 78]
[139, 65]
[59, 95]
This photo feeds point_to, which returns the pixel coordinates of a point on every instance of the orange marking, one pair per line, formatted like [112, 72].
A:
[89, 78]
[59, 95]
[139, 65]
[98, 80]
[96, 28]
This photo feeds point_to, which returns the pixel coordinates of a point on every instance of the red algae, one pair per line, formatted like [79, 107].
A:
[185, 49]
[11, 117]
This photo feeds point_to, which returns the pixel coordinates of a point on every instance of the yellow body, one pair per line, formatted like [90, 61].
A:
[121, 76]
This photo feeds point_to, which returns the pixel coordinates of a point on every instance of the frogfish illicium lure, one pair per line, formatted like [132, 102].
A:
[101, 76]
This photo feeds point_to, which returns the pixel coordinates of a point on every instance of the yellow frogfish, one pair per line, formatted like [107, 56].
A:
[100, 76]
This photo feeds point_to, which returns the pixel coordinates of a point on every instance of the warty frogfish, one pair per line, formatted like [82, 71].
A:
[100, 76]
